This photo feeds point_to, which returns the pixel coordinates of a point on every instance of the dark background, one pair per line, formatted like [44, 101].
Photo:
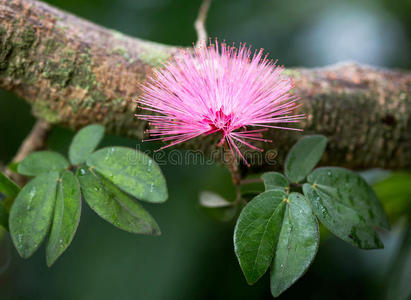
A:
[194, 258]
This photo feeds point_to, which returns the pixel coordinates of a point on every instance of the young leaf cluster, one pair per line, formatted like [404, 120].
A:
[109, 180]
[278, 229]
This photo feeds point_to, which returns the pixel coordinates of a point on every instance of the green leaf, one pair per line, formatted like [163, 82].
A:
[275, 181]
[66, 217]
[394, 192]
[84, 143]
[210, 199]
[304, 156]
[216, 207]
[346, 205]
[352, 190]
[31, 213]
[13, 166]
[42, 162]
[8, 191]
[297, 244]
[132, 171]
[115, 206]
[256, 233]
[8, 187]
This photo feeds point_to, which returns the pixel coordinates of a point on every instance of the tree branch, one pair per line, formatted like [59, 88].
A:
[35, 141]
[75, 73]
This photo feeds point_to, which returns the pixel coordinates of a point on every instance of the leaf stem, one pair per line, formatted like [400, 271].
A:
[35, 141]
[232, 166]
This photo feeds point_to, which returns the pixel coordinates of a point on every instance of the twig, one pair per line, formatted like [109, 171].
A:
[199, 24]
[232, 165]
[36, 140]
[251, 180]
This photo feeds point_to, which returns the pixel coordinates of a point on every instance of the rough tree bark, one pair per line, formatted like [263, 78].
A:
[74, 73]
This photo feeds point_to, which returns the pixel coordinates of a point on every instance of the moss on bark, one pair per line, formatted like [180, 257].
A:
[76, 73]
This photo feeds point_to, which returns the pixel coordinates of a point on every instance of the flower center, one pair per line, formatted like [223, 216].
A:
[219, 121]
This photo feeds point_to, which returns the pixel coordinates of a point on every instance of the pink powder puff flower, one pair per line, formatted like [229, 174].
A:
[218, 89]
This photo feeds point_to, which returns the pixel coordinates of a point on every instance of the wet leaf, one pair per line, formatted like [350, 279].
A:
[257, 231]
[132, 171]
[297, 244]
[85, 142]
[346, 205]
[304, 156]
[32, 212]
[66, 216]
[275, 181]
[42, 162]
[113, 205]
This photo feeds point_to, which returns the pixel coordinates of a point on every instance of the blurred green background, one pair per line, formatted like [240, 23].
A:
[194, 258]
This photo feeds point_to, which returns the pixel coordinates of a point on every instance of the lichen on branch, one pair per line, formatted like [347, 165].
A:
[74, 73]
